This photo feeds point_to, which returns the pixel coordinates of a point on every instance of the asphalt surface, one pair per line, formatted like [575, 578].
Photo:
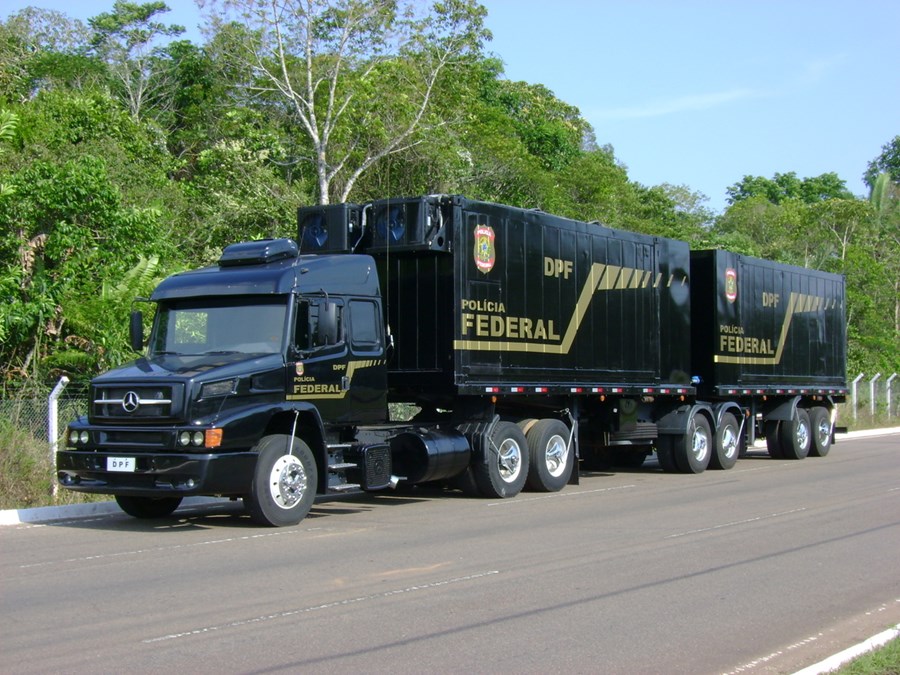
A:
[767, 568]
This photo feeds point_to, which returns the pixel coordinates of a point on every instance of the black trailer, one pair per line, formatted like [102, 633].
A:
[773, 337]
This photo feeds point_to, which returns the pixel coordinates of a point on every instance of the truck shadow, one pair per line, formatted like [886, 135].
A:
[226, 515]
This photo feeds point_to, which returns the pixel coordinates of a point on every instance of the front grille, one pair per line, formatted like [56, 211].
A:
[138, 402]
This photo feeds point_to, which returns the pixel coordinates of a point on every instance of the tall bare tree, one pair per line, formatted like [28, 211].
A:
[126, 39]
[358, 77]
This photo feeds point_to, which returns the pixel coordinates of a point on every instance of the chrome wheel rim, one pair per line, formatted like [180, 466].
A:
[287, 481]
[700, 444]
[556, 456]
[730, 441]
[509, 460]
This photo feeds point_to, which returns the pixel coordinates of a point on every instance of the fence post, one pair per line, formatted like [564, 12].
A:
[889, 387]
[853, 393]
[872, 393]
[53, 428]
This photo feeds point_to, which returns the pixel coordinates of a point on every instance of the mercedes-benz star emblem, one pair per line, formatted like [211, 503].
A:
[131, 402]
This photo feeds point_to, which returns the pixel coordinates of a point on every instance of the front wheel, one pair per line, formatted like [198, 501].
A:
[284, 482]
[548, 445]
[506, 469]
[148, 507]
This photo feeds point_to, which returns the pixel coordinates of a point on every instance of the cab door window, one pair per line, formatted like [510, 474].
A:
[365, 333]
[309, 328]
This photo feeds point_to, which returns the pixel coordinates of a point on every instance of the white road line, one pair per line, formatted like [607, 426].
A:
[557, 495]
[735, 523]
[316, 608]
[174, 547]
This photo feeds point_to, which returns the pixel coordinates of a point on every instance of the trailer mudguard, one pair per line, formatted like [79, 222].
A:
[783, 411]
[676, 421]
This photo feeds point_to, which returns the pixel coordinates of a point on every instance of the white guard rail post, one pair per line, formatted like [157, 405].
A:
[53, 428]
[889, 387]
[853, 393]
[872, 393]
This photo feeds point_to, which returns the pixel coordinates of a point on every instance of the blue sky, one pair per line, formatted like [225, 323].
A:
[697, 93]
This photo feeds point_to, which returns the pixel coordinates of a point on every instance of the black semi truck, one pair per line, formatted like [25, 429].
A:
[525, 344]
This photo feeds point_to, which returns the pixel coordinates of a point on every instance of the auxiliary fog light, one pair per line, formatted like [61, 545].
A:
[76, 437]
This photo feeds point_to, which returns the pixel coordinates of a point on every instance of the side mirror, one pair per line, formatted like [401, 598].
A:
[136, 331]
[327, 333]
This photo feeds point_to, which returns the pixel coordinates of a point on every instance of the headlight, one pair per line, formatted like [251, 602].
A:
[223, 388]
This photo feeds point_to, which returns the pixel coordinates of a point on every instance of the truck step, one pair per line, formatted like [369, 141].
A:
[342, 466]
[346, 487]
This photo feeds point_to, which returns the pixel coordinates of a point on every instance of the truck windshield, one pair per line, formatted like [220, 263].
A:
[238, 325]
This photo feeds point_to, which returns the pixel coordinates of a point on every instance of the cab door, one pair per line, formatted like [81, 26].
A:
[337, 360]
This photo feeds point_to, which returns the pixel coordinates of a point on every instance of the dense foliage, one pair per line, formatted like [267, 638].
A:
[127, 153]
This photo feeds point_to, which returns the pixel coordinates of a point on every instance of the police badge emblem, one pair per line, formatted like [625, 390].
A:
[485, 254]
[731, 285]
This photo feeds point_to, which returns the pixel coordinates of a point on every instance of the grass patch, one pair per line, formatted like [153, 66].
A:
[26, 472]
[882, 661]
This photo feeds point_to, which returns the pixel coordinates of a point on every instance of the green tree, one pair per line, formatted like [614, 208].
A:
[357, 77]
[41, 49]
[786, 186]
[8, 123]
[124, 39]
[887, 162]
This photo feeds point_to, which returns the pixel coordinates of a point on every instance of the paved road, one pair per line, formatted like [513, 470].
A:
[765, 568]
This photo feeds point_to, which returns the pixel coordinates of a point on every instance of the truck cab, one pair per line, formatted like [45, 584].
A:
[265, 344]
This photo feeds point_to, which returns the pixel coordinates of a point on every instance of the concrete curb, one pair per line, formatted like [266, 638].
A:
[45, 514]
[834, 662]
[94, 509]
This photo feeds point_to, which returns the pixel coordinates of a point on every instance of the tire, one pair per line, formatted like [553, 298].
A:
[550, 455]
[773, 440]
[820, 424]
[728, 444]
[148, 507]
[284, 485]
[506, 469]
[665, 454]
[692, 450]
[795, 436]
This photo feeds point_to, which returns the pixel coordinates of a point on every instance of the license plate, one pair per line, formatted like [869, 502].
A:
[125, 464]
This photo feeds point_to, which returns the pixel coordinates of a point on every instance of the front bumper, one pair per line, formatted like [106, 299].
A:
[157, 474]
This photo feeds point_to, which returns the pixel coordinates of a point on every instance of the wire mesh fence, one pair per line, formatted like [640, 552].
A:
[27, 408]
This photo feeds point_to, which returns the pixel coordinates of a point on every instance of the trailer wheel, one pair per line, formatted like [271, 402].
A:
[692, 450]
[795, 436]
[504, 473]
[550, 466]
[284, 485]
[820, 421]
[728, 443]
[773, 440]
[665, 453]
[147, 507]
